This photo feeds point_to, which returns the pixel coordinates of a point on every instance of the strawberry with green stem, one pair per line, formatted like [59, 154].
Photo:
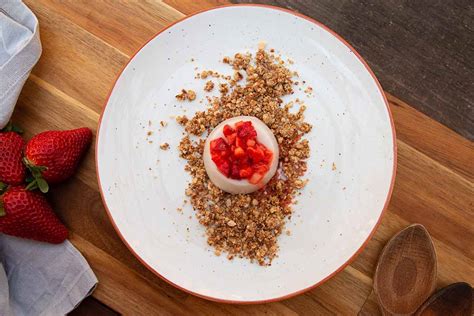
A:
[53, 156]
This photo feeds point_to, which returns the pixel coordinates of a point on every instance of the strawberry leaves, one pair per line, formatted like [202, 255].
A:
[49, 157]
[36, 180]
[12, 128]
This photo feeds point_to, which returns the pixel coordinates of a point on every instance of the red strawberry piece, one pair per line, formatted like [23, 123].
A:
[228, 130]
[251, 143]
[262, 169]
[256, 178]
[12, 169]
[224, 167]
[235, 172]
[246, 172]
[54, 155]
[238, 124]
[268, 155]
[246, 131]
[239, 152]
[256, 154]
[239, 142]
[231, 138]
[27, 214]
[219, 145]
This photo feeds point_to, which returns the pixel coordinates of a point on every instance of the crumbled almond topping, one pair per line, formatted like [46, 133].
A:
[248, 225]
[223, 88]
[209, 86]
[189, 95]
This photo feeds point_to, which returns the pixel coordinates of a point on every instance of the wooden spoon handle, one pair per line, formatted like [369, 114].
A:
[370, 307]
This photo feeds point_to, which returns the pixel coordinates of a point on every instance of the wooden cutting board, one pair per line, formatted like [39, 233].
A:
[85, 45]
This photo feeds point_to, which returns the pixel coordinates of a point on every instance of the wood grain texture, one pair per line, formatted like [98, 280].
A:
[421, 50]
[82, 54]
[147, 17]
[406, 271]
[188, 6]
[455, 299]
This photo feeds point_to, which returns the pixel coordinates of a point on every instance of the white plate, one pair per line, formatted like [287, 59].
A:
[338, 210]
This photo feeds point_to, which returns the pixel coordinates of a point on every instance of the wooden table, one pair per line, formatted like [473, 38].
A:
[85, 44]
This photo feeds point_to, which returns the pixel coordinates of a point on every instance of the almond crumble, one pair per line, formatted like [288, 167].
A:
[189, 95]
[248, 225]
[182, 120]
[209, 86]
[223, 88]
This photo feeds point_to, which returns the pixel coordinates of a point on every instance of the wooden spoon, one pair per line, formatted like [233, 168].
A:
[406, 271]
[454, 300]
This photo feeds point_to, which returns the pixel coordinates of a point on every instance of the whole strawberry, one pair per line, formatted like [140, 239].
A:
[27, 214]
[12, 169]
[54, 155]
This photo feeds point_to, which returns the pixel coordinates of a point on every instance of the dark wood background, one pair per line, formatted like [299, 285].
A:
[422, 51]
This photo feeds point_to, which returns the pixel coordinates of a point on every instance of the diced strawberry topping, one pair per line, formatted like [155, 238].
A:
[231, 138]
[246, 131]
[239, 155]
[256, 178]
[228, 130]
[224, 167]
[239, 152]
[219, 145]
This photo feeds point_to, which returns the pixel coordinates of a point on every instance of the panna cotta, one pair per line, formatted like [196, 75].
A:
[241, 155]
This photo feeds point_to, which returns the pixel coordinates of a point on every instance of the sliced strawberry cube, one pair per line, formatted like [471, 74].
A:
[213, 145]
[228, 130]
[224, 167]
[239, 152]
[219, 160]
[250, 143]
[251, 152]
[231, 138]
[235, 172]
[260, 152]
[219, 144]
[239, 124]
[246, 131]
[261, 169]
[246, 172]
[256, 178]
[256, 154]
[239, 142]
[268, 156]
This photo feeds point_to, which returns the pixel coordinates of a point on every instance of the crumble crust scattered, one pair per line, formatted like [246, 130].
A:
[209, 86]
[189, 95]
[248, 225]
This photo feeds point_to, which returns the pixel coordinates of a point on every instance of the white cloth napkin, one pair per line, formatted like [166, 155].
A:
[43, 279]
[36, 278]
[20, 49]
